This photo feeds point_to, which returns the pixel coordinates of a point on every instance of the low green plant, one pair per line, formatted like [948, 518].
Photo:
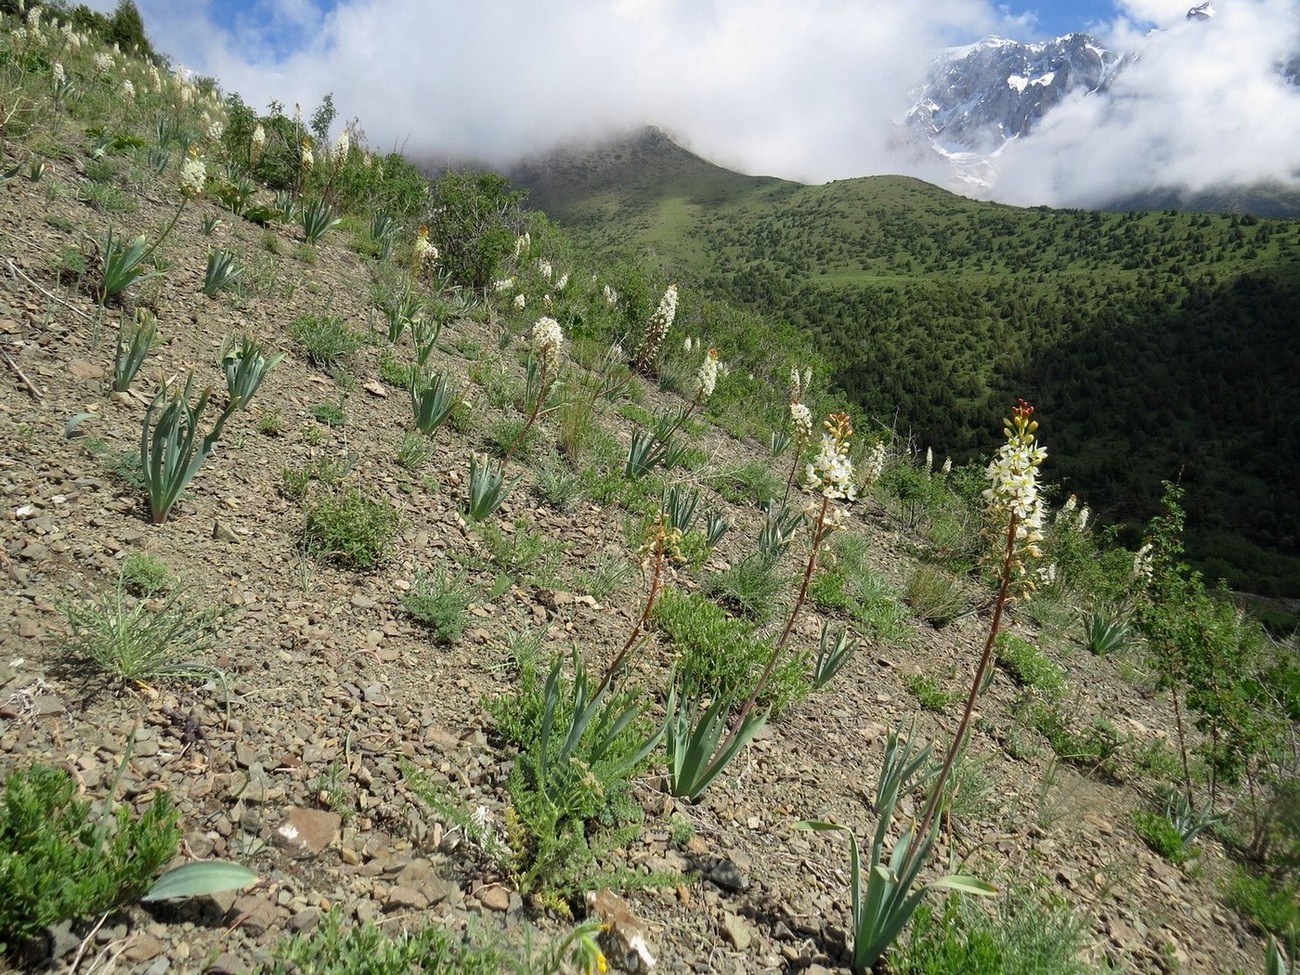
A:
[57, 863]
[1092, 748]
[143, 640]
[569, 784]
[222, 272]
[1270, 905]
[1162, 836]
[834, 650]
[721, 657]
[438, 601]
[171, 451]
[325, 340]
[692, 739]
[927, 692]
[751, 587]
[885, 894]
[146, 575]
[1029, 666]
[133, 343]
[123, 264]
[351, 528]
[487, 487]
[558, 484]
[779, 527]
[606, 577]
[1104, 633]
[414, 451]
[751, 482]
[644, 454]
[317, 219]
[1025, 934]
[366, 949]
[935, 594]
[330, 414]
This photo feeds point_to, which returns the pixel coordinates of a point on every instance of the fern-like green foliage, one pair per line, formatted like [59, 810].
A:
[57, 862]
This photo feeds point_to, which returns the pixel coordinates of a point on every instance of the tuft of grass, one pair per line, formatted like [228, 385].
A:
[325, 340]
[1025, 934]
[143, 640]
[351, 528]
[414, 451]
[438, 602]
[751, 587]
[935, 595]
[752, 482]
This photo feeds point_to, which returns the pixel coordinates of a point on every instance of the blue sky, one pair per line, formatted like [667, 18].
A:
[1056, 17]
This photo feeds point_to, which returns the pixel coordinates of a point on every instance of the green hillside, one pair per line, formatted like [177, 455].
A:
[1161, 344]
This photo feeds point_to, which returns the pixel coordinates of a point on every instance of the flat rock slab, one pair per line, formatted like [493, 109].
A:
[307, 832]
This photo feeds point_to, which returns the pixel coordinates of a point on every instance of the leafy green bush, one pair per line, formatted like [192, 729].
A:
[1023, 936]
[724, 657]
[145, 575]
[1273, 907]
[56, 863]
[750, 482]
[351, 528]
[1029, 666]
[1162, 836]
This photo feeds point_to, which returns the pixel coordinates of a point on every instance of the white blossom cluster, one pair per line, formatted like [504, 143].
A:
[128, 91]
[520, 302]
[611, 296]
[544, 269]
[308, 160]
[562, 283]
[875, 465]
[547, 339]
[801, 421]
[1013, 490]
[425, 253]
[103, 62]
[831, 471]
[194, 176]
[799, 384]
[344, 145]
[707, 378]
[522, 243]
[258, 141]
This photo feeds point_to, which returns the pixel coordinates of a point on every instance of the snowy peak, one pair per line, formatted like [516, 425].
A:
[1202, 11]
[978, 96]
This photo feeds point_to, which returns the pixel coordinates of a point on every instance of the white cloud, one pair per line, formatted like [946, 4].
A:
[809, 91]
[805, 90]
[1203, 105]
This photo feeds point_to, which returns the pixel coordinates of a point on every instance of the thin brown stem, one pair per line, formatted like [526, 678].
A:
[936, 793]
[794, 466]
[1182, 741]
[818, 535]
[637, 631]
[537, 405]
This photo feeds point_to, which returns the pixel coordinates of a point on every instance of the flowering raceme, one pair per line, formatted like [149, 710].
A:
[831, 471]
[1013, 492]
[547, 339]
[425, 253]
[657, 328]
[194, 176]
[801, 421]
[707, 378]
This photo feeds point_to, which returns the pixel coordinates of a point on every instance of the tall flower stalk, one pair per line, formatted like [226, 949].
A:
[655, 331]
[547, 340]
[663, 542]
[1015, 514]
[706, 380]
[831, 475]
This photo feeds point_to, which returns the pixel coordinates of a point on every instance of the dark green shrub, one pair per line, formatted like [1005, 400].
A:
[351, 528]
[57, 863]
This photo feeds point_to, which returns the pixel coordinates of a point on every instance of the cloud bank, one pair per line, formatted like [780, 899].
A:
[811, 91]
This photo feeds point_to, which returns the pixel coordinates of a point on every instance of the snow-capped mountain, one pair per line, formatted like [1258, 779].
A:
[980, 95]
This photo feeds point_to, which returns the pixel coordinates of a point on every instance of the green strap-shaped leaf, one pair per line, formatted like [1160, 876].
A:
[203, 877]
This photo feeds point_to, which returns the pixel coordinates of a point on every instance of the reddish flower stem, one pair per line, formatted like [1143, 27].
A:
[655, 585]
